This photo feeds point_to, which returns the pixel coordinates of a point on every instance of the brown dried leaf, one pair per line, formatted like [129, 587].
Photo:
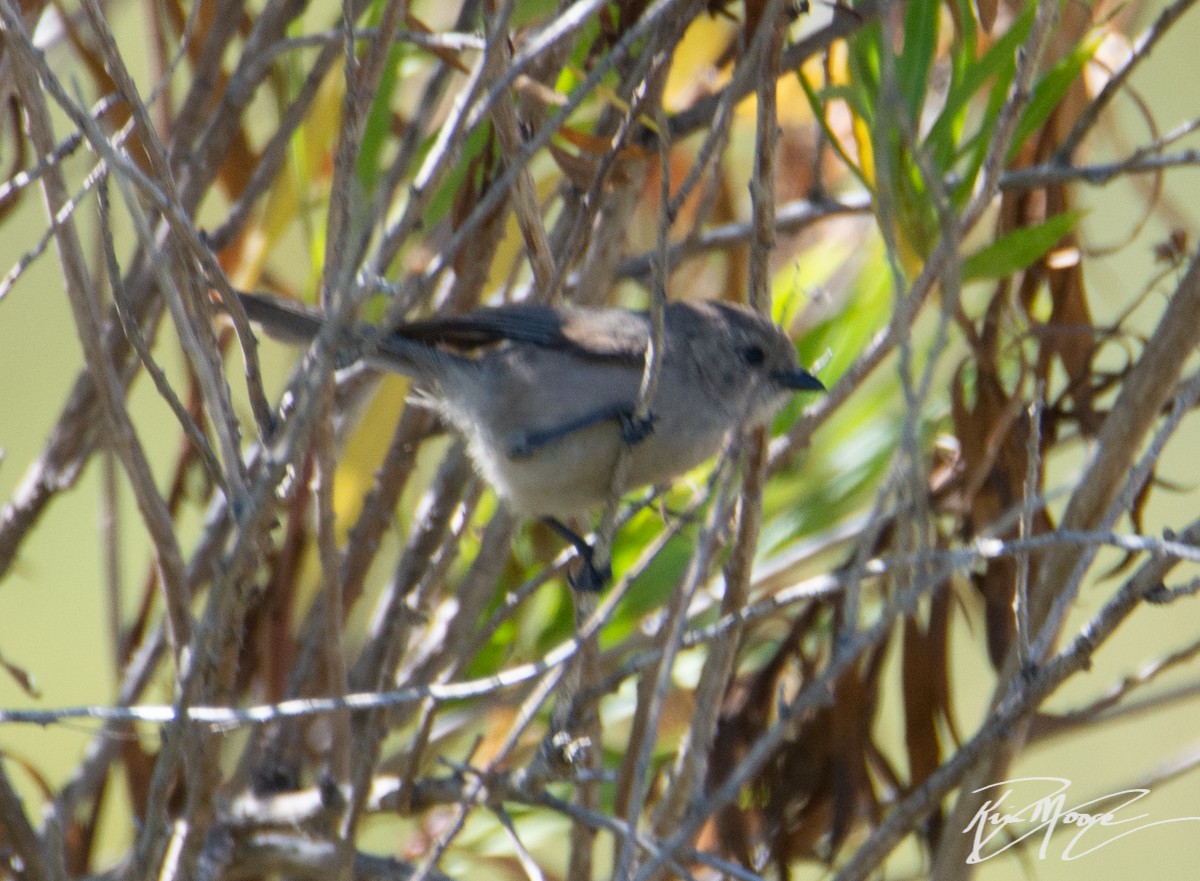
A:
[579, 169]
[20, 153]
[987, 10]
[816, 787]
[139, 771]
[21, 676]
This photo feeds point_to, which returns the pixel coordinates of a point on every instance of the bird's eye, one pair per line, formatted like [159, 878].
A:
[753, 355]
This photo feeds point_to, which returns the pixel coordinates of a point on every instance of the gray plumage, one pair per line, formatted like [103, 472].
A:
[543, 395]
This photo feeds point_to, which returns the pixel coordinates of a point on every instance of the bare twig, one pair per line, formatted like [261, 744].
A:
[86, 310]
[1141, 51]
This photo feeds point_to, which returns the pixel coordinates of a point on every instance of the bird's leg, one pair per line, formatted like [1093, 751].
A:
[523, 444]
[635, 429]
[349, 352]
[590, 578]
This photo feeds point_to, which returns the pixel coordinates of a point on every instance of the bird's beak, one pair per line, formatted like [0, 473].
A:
[797, 380]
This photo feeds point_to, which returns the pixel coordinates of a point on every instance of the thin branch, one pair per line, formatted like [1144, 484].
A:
[48, 235]
[19, 832]
[1050, 173]
[1033, 475]
[940, 563]
[1026, 695]
[524, 193]
[133, 333]
[845, 22]
[1141, 51]
[87, 321]
[1114, 706]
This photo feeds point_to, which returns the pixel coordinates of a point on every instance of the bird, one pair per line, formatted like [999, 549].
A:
[545, 397]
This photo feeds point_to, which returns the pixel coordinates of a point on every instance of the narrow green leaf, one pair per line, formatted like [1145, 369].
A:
[1051, 88]
[817, 104]
[972, 75]
[863, 60]
[920, 42]
[974, 150]
[1018, 249]
[378, 129]
[969, 33]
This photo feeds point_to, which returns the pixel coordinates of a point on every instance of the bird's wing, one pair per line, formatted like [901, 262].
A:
[605, 334]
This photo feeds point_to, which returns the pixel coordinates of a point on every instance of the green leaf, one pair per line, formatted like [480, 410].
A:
[969, 76]
[378, 128]
[864, 64]
[1051, 88]
[1018, 249]
[920, 42]
[443, 199]
[817, 103]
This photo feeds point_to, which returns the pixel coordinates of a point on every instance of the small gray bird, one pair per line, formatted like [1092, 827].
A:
[545, 396]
